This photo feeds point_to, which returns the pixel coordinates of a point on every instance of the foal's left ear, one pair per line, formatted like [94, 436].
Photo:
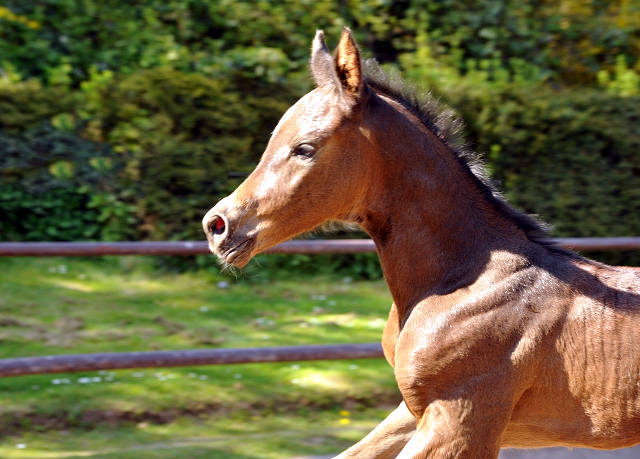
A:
[348, 65]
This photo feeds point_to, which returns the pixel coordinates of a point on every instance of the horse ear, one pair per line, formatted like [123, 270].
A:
[348, 65]
[321, 62]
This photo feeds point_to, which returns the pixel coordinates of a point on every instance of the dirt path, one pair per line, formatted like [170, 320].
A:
[577, 453]
[548, 453]
[553, 453]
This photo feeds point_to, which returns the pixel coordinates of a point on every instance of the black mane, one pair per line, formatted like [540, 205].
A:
[444, 123]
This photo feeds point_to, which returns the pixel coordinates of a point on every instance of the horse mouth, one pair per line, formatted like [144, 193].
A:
[239, 255]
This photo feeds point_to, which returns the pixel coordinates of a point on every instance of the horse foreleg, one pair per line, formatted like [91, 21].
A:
[386, 440]
[451, 429]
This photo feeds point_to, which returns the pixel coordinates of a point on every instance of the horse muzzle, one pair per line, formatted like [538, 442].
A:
[227, 239]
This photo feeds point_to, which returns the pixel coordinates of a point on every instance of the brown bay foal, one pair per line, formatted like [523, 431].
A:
[497, 338]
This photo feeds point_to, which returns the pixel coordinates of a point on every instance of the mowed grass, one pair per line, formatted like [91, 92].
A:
[78, 305]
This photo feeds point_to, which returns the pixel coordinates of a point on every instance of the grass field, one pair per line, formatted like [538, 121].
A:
[79, 305]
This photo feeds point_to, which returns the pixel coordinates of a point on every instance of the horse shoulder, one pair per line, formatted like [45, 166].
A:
[493, 335]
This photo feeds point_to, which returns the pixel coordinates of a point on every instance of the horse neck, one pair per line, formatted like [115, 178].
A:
[433, 228]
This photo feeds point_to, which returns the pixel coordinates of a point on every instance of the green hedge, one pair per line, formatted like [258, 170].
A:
[179, 135]
[57, 186]
[163, 139]
[60, 41]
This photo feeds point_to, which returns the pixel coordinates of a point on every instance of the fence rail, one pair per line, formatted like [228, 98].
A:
[192, 357]
[49, 249]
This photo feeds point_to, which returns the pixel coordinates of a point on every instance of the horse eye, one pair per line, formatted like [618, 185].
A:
[304, 150]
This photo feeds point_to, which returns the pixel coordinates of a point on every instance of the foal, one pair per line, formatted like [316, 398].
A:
[497, 338]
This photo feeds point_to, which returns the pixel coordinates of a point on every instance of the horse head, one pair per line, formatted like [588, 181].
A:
[313, 168]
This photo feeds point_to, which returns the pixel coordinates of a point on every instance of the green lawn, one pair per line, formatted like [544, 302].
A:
[234, 436]
[79, 305]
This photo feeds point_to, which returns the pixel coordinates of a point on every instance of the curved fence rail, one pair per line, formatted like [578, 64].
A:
[156, 359]
[48, 249]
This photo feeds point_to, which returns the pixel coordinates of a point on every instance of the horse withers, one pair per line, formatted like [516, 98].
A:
[497, 337]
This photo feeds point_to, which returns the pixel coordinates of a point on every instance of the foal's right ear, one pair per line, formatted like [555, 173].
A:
[322, 67]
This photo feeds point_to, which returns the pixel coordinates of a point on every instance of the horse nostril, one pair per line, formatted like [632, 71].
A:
[217, 226]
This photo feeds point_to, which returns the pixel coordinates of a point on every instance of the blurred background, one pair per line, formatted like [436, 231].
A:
[128, 120]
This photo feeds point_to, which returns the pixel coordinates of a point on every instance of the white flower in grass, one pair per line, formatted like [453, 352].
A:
[21, 445]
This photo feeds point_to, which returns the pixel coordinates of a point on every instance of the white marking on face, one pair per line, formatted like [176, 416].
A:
[312, 112]
[270, 176]
[307, 121]
[287, 115]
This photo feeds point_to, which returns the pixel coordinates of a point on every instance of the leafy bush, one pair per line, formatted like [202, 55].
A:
[60, 41]
[57, 186]
[178, 136]
[144, 154]
[24, 105]
[566, 42]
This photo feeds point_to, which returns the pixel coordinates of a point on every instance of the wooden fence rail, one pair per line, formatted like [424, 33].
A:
[49, 249]
[192, 357]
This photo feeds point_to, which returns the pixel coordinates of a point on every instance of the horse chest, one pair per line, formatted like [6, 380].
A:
[449, 356]
[390, 335]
